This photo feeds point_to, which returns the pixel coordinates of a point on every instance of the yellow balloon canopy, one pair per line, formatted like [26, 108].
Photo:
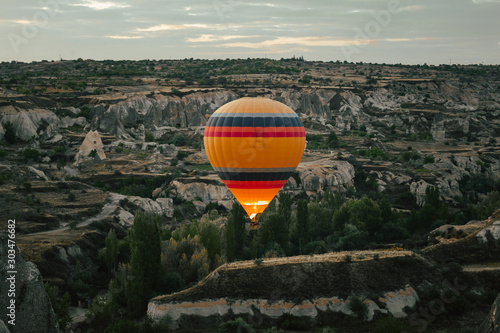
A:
[254, 145]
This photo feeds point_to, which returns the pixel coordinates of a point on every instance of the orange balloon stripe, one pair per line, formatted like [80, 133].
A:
[234, 152]
[255, 184]
[251, 132]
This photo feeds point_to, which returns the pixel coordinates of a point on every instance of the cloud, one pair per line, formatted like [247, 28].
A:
[316, 41]
[167, 27]
[304, 41]
[100, 5]
[124, 37]
[413, 8]
[406, 39]
[213, 38]
[22, 21]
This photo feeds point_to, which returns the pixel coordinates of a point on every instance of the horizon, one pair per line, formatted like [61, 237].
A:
[406, 32]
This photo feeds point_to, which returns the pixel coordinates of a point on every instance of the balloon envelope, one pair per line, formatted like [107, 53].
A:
[254, 145]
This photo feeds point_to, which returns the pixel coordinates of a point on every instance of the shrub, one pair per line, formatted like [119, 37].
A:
[27, 186]
[93, 153]
[238, 325]
[149, 137]
[359, 308]
[182, 155]
[429, 159]
[31, 154]
[71, 197]
[10, 134]
[390, 325]
[178, 140]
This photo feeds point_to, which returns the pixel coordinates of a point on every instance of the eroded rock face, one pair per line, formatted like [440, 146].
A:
[325, 175]
[306, 287]
[393, 303]
[206, 192]
[114, 207]
[492, 322]
[33, 311]
[92, 142]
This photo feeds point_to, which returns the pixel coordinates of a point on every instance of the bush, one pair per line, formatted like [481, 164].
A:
[31, 154]
[182, 155]
[178, 140]
[359, 308]
[10, 134]
[238, 325]
[149, 137]
[93, 153]
[429, 159]
[71, 197]
[390, 325]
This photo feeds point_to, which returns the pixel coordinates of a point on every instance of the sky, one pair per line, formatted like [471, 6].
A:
[378, 31]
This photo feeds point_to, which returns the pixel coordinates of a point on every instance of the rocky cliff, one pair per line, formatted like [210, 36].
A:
[315, 289]
[29, 309]
[492, 322]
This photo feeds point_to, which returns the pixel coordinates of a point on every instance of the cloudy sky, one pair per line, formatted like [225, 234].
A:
[391, 31]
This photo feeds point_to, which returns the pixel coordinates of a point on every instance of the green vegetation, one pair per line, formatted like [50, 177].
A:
[145, 259]
[142, 186]
[31, 155]
[318, 141]
[60, 304]
[10, 134]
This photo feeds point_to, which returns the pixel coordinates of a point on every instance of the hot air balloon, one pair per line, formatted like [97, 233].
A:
[254, 145]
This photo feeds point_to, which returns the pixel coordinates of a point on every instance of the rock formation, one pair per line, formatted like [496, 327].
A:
[92, 142]
[310, 288]
[33, 312]
[492, 322]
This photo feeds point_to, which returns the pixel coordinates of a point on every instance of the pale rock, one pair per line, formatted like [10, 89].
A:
[156, 192]
[40, 174]
[326, 175]
[206, 192]
[167, 150]
[200, 206]
[92, 142]
[493, 230]
[418, 191]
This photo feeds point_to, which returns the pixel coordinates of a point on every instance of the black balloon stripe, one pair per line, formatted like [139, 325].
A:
[255, 122]
[254, 176]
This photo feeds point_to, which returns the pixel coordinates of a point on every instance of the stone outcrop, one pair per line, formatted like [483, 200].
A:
[322, 175]
[310, 288]
[33, 311]
[124, 207]
[92, 142]
[492, 322]
[206, 192]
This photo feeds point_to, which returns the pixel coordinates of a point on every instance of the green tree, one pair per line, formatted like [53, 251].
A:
[59, 304]
[111, 251]
[211, 240]
[30, 154]
[285, 208]
[333, 140]
[93, 153]
[10, 133]
[273, 229]
[302, 223]
[145, 260]
[235, 232]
